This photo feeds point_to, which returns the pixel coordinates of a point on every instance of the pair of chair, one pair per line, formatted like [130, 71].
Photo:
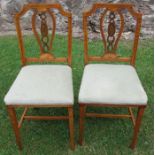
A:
[103, 85]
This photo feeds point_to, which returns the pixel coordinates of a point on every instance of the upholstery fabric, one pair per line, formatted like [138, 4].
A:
[42, 84]
[111, 84]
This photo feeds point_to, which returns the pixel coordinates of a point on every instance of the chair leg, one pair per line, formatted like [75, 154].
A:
[137, 126]
[13, 118]
[71, 128]
[81, 123]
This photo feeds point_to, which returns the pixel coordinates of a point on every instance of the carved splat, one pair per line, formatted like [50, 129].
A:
[111, 40]
[44, 31]
[44, 41]
[111, 32]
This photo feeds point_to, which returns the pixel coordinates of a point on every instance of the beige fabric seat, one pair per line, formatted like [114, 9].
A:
[111, 84]
[42, 84]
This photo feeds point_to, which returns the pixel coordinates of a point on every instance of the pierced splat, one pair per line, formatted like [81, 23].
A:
[44, 31]
[111, 32]
[111, 40]
[43, 39]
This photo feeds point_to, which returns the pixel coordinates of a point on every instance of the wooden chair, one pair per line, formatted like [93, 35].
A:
[42, 85]
[111, 85]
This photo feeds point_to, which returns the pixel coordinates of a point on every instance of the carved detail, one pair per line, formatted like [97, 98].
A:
[110, 42]
[44, 31]
[110, 55]
[111, 32]
[46, 56]
[44, 42]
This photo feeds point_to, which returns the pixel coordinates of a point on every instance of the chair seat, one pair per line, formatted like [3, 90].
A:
[42, 84]
[111, 84]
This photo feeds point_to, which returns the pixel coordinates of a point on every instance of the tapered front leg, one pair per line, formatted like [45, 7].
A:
[71, 127]
[81, 123]
[137, 126]
[13, 118]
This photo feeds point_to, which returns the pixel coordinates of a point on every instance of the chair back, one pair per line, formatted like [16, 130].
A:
[39, 15]
[110, 39]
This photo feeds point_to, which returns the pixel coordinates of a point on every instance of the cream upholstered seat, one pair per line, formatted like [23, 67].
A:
[42, 84]
[111, 84]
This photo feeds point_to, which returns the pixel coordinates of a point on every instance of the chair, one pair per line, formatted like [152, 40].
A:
[42, 85]
[111, 85]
